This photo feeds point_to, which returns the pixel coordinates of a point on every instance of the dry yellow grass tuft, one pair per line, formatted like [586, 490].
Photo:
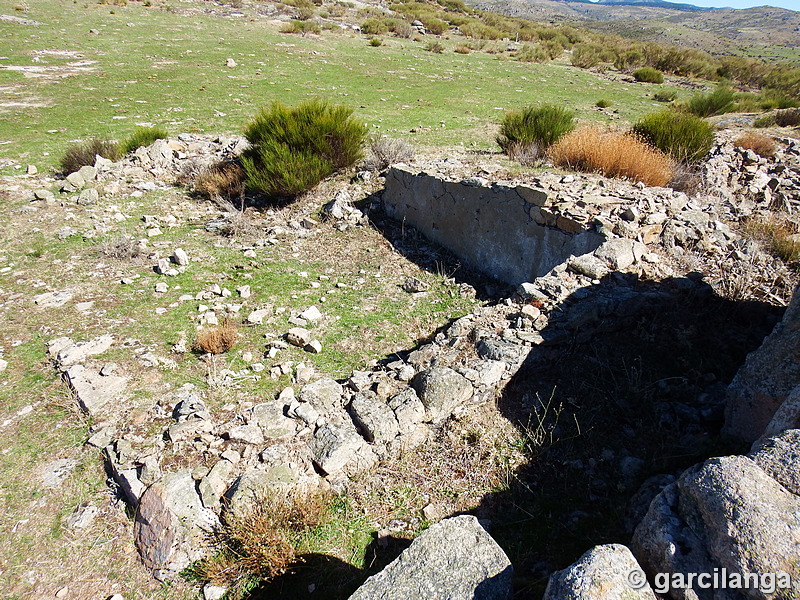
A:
[217, 339]
[761, 144]
[612, 153]
[777, 233]
[263, 541]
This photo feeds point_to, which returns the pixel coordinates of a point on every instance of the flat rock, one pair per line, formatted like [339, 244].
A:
[455, 559]
[75, 353]
[249, 434]
[325, 394]
[93, 390]
[52, 299]
[55, 472]
[298, 336]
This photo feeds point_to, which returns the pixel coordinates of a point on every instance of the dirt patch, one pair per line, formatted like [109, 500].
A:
[52, 71]
[16, 98]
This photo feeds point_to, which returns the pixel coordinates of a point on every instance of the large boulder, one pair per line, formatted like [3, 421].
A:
[606, 572]
[766, 379]
[724, 514]
[441, 390]
[172, 525]
[453, 560]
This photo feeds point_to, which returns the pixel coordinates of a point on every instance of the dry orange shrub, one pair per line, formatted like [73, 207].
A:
[760, 144]
[612, 153]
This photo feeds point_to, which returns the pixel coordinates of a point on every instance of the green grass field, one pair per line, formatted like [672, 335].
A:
[148, 65]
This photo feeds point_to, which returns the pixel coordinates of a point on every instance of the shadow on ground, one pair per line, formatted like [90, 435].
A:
[628, 385]
[324, 577]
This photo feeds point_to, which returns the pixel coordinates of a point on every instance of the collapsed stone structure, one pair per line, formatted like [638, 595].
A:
[582, 229]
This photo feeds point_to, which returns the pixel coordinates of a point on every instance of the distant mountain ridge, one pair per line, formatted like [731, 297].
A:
[765, 31]
[657, 3]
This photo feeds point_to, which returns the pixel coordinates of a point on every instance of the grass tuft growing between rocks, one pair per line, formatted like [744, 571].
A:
[143, 136]
[258, 544]
[86, 153]
[762, 145]
[778, 234]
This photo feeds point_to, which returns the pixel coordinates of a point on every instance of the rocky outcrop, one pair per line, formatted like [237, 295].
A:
[609, 572]
[766, 380]
[727, 513]
[453, 560]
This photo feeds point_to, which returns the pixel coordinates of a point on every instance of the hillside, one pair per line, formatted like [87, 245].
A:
[764, 31]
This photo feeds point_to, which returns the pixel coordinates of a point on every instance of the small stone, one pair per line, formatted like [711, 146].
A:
[314, 347]
[153, 232]
[161, 287]
[213, 592]
[412, 285]
[531, 311]
[179, 257]
[162, 266]
[76, 180]
[3, 365]
[297, 336]
[312, 314]
[244, 291]
[257, 316]
[32, 170]
[230, 63]
[81, 519]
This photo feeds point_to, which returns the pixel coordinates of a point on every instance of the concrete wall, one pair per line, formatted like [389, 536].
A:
[506, 232]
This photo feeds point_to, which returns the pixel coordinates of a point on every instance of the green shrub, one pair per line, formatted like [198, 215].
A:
[85, 154]
[603, 103]
[143, 136]
[375, 42]
[293, 149]
[585, 56]
[648, 75]
[764, 121]
[435, 26]
[685, 137]
[534, 127]
[534, 53]
[789, 117]
[375, 26]
[665, 95]
[434, 47]
[301, 27]
[718, 102]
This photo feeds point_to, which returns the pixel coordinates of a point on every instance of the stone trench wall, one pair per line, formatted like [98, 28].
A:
[504, 230]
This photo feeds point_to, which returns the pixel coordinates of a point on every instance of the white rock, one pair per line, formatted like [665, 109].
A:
[312, 314]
